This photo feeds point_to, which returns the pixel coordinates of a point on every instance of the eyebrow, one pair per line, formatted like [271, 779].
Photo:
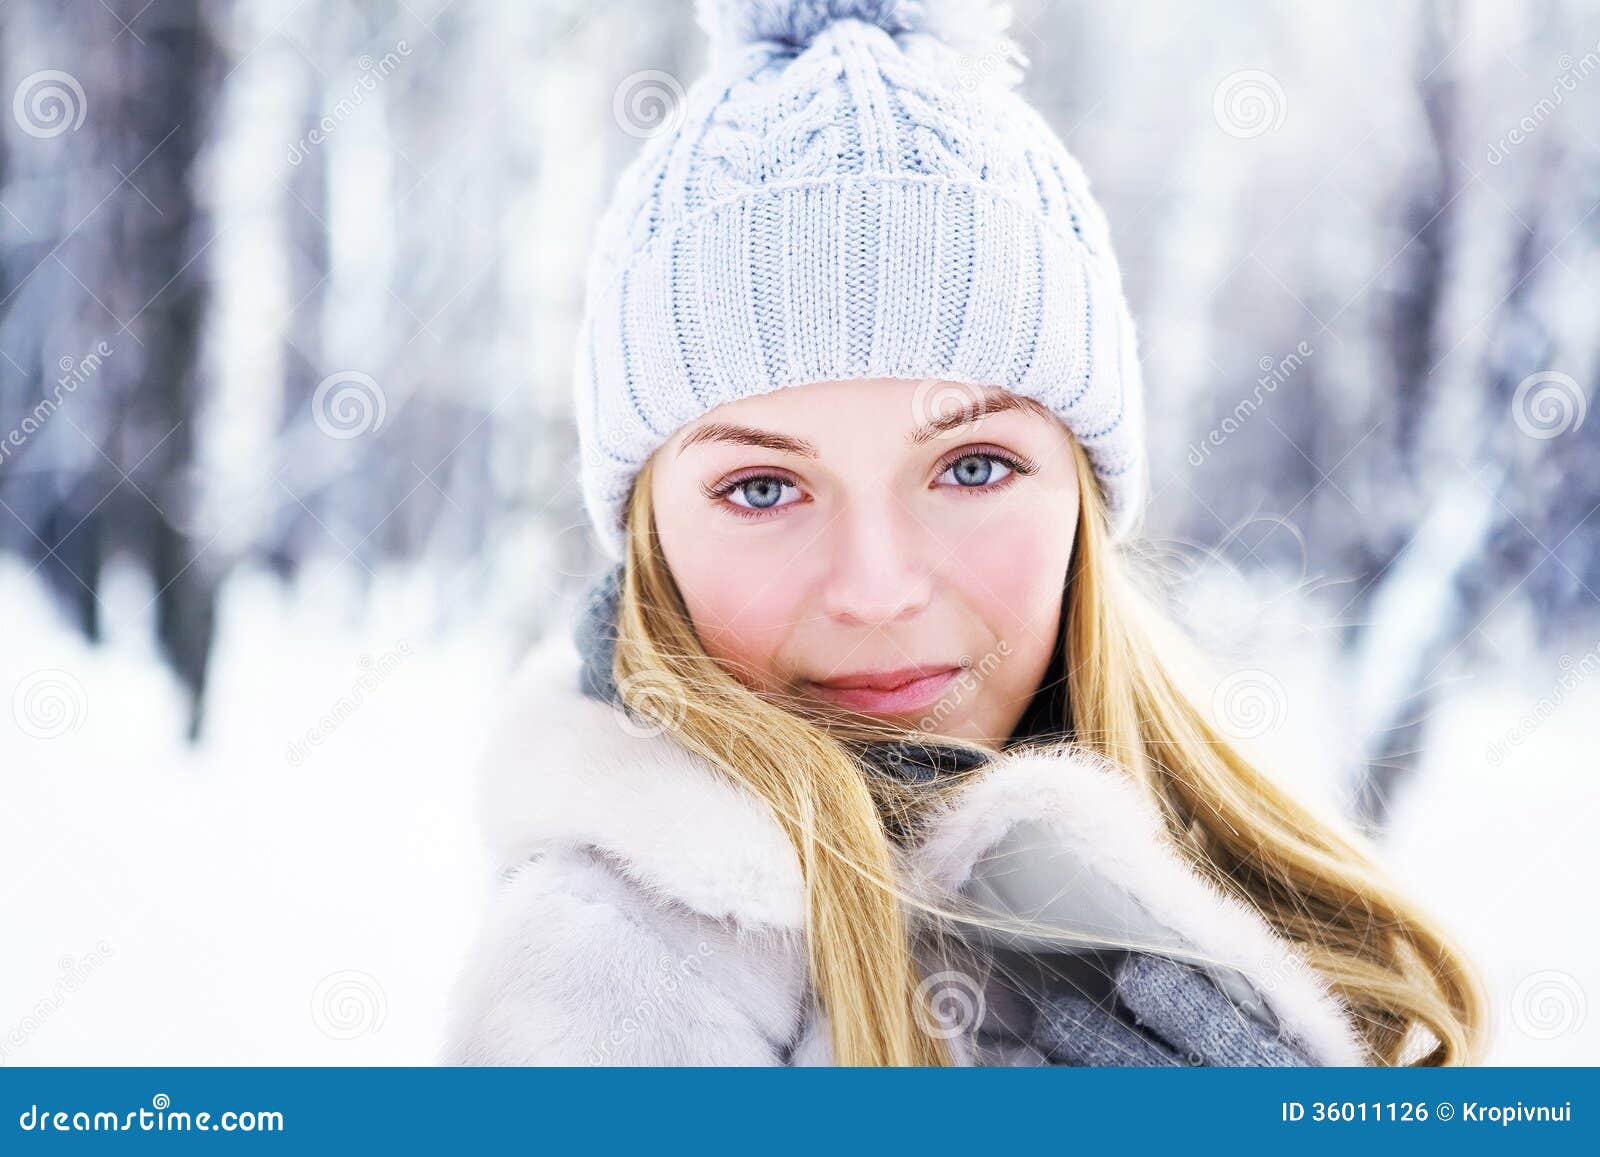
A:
[748, 436]
[751, 436]
[965, 415]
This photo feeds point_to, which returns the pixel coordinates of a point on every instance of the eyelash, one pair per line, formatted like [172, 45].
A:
[1019, 466]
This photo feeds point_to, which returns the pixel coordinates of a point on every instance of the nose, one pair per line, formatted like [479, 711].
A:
[880, 568]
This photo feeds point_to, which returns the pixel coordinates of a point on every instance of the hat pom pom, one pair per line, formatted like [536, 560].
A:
[971, 26]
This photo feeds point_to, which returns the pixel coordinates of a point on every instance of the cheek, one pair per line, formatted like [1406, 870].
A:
[1014, 570]
[1012, 574]
[742, 608]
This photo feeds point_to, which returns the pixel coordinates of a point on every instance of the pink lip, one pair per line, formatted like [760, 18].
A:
[887, 692]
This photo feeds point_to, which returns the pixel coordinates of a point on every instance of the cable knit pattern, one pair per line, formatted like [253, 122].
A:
[848, 196]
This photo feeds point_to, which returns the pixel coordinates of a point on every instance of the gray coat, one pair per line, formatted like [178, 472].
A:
[647, 911]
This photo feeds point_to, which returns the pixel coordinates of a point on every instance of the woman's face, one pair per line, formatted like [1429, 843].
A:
[890, 546]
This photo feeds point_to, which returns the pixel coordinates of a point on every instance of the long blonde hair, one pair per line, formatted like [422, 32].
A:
[1399, 974]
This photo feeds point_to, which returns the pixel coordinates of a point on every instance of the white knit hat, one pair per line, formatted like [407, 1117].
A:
[852, 190]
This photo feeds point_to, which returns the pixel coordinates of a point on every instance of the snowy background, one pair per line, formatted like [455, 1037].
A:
[287, 469]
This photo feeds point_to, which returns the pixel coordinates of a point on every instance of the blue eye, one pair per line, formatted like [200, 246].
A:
[975, 469]
[755, 494]
[971, 471]
[761, 493]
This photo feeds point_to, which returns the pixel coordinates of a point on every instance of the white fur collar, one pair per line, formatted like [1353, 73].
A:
[561, 768]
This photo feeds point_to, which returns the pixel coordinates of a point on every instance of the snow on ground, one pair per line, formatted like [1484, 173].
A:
[286, 893]
[230, 904]
[1499, 841]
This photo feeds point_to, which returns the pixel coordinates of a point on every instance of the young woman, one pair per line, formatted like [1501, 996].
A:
[869, 750]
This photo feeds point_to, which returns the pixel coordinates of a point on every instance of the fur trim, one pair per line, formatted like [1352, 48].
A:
[563, 771]
[576, 965]
[1106, 825]
[561, 768]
